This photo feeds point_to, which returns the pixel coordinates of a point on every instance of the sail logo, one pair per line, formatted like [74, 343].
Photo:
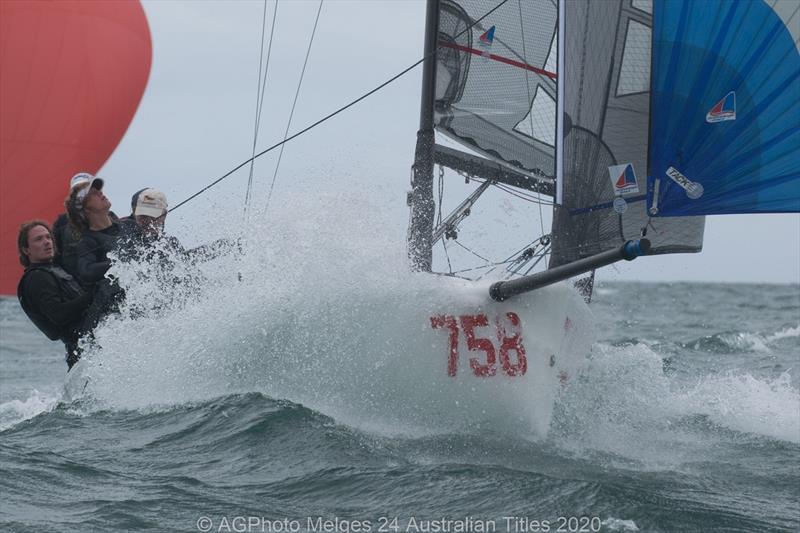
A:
[488, 37]
[623, 179]
[694, 190]
[723, 110]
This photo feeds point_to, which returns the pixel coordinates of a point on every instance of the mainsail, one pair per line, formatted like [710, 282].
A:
[604, 113]
[725, 127]
[489, 84]
[496, 81]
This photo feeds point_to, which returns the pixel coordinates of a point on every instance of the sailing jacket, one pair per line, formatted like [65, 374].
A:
[94, 247]
[54, 301]
[67, 237]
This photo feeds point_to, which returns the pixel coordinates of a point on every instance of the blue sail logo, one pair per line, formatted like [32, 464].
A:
[488, 37]
[725, 109]
[623, 179]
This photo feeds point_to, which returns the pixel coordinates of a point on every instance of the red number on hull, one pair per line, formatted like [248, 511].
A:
[476, 344]
[513, 343]
[449, 322]
[507, 343]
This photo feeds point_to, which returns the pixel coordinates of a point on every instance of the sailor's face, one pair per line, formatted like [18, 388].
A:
[151, 225]
[40, 245]
[96, 202]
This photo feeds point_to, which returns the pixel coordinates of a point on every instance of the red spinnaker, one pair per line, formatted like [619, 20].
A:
[72, 74]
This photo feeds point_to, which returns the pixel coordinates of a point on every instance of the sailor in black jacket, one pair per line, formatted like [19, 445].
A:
[53, 300]
[67, 235]
[89, 210]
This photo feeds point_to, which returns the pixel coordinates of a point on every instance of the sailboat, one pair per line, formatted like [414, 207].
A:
[636, 118]
[555, 102]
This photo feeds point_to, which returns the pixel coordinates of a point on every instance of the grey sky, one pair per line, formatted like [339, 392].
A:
[196, 120]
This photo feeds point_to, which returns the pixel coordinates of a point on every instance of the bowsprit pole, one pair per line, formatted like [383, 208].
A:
[629, 251]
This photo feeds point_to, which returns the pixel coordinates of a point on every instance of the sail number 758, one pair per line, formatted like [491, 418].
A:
[486, 365]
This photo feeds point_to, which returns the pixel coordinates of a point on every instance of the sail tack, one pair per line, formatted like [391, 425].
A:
[725, 125]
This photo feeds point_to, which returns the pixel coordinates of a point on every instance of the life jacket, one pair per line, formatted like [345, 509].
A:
[71, 288]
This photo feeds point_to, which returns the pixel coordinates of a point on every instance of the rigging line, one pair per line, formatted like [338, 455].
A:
[261, 89]
[294, 104]
[474, 268]
[519, 194]
[439, 217]
[513, 258]
[441, 193]
[299, 133]
[538, 260]
[522, 196]
[258, 106]
[333, 114]
[473, 252]
[491, 266]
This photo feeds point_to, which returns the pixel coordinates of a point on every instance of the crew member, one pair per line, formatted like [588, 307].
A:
[53, 300]
[163, 260]
[66, 235]
[89, 210]
[150, 214]
[134, 200]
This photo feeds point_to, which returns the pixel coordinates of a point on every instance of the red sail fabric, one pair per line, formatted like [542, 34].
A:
[72, 74]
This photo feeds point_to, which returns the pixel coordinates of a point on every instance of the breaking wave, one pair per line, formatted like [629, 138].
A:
[624, 404]
[15, 411]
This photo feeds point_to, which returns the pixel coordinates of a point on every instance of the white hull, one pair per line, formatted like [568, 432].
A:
[376, 362]
[381, 363]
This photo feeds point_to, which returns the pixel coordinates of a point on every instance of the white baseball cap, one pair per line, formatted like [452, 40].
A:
[93, 183]
[151, 203]
[79, 179]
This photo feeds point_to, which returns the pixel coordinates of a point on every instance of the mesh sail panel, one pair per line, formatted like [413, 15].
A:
[495, 89]
[606, 78]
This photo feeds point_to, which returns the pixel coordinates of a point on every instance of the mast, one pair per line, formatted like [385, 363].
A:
[421, 195]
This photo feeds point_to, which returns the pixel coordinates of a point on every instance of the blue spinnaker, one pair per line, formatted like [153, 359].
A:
[725, 109]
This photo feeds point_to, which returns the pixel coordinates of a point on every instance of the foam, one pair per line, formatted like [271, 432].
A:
[625, 405]
[15, 411]
[786, 333]
[745, 403]
[744, 341]
[619, 524]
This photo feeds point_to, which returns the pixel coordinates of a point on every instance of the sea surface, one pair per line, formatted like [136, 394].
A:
[686, 418]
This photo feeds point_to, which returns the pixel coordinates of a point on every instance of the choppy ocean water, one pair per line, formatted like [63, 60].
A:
[686, 418]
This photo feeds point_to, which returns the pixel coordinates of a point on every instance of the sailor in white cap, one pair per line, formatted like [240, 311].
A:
[66, 235]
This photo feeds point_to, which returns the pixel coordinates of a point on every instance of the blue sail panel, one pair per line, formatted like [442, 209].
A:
[725, 110]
